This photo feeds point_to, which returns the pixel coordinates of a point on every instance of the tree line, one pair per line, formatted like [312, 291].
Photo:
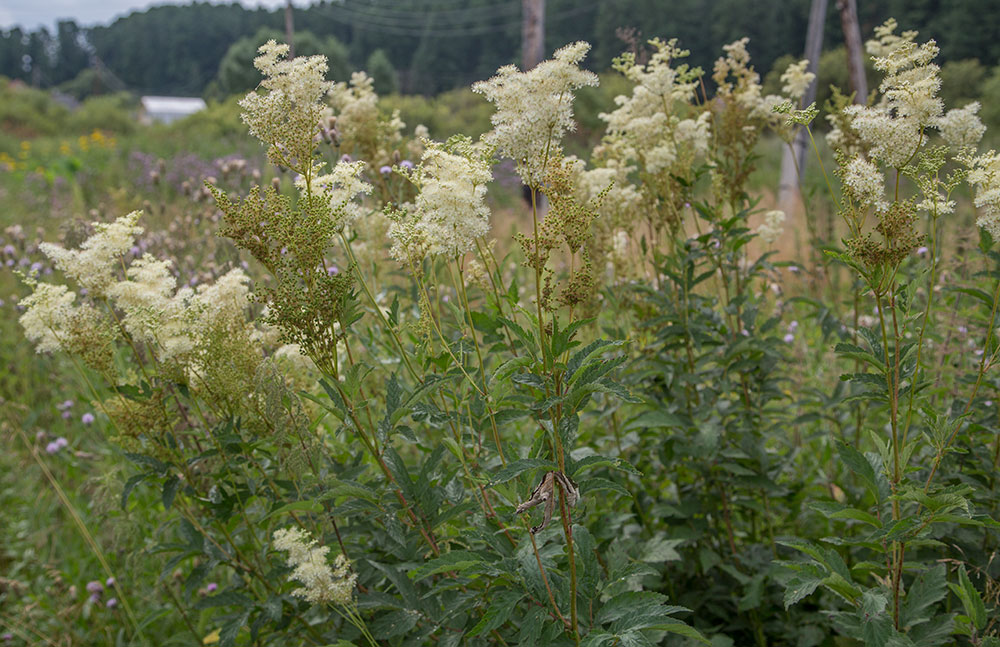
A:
[429, 46]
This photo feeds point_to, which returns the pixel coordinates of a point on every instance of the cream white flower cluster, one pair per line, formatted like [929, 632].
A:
[894, 129]
[321, 584]
[535, 109]
[93, 264]
[449, 212]
[737, 80]
[154, 311]
[984, 177]
[864, 183]
[645, 126]
[797, 79]
[342, 186]
[620, 201]
[774, 224]
[49, 313]
[360, 128]
[961, 127]
[287, 116]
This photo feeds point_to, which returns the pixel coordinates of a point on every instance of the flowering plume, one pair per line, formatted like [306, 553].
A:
[535, 109]
[93, 264]
[48, 313]
[341, 187]
[984, 177]
[321, 583]
[646, 127]
[286, 118]
[770, 230]
[449, 212]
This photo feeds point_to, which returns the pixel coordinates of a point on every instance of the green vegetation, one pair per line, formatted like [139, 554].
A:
[307, 367]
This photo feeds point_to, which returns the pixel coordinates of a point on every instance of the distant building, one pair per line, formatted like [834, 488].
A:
[168, 109]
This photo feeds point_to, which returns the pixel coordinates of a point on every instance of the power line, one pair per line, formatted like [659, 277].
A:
[338, 15]
[403, 18]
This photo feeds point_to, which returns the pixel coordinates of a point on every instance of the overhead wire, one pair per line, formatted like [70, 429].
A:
[345, 18]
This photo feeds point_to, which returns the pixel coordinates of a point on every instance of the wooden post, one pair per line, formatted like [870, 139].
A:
[855, 51]
[290, 29]
[793, 160]
[532, 33]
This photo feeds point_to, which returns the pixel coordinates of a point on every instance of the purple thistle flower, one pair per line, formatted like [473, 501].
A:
[95, 598]
[212, 587]
[385, 170]
[61, 442]
[52, 448]
[66, 415]
[111, 603]
[333, 270]
[789, 338]
[36, 266]
[406, 164]
[87, 418]
[9, 250]
[95, 587]
[345, 158]
[921, 251]
[7, 637]
[110, 582]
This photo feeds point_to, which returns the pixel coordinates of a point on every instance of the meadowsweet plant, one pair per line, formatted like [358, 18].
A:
[901, 162]
[376, 423]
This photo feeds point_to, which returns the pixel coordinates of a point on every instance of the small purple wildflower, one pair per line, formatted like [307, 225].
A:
[36, 267]
[39, 436]
[385, 170]
[407, 164]
[963, 329]
[793, 326]
[66, 415]
[111, 603]
[62, 406]
[921, 251]
[52, 448]
[212, 587]
[61, 442]
[110, 582]
[10, 262]
[93, 586]
[345, 158]
[7, 637]
[9, 250]
[194, 281]
[789, 338]
[333, 270]
[95, 598]
[87, 418]
[84, 292]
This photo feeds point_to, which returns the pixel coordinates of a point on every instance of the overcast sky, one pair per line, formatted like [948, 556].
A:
[32, 13]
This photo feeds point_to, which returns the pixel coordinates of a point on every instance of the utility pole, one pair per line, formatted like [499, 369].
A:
[289, 29]
[794, 159]
[532, 33]
[855, 53]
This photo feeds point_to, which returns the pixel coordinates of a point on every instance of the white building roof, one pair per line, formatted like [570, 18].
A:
[169, 109]
[174, 105]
